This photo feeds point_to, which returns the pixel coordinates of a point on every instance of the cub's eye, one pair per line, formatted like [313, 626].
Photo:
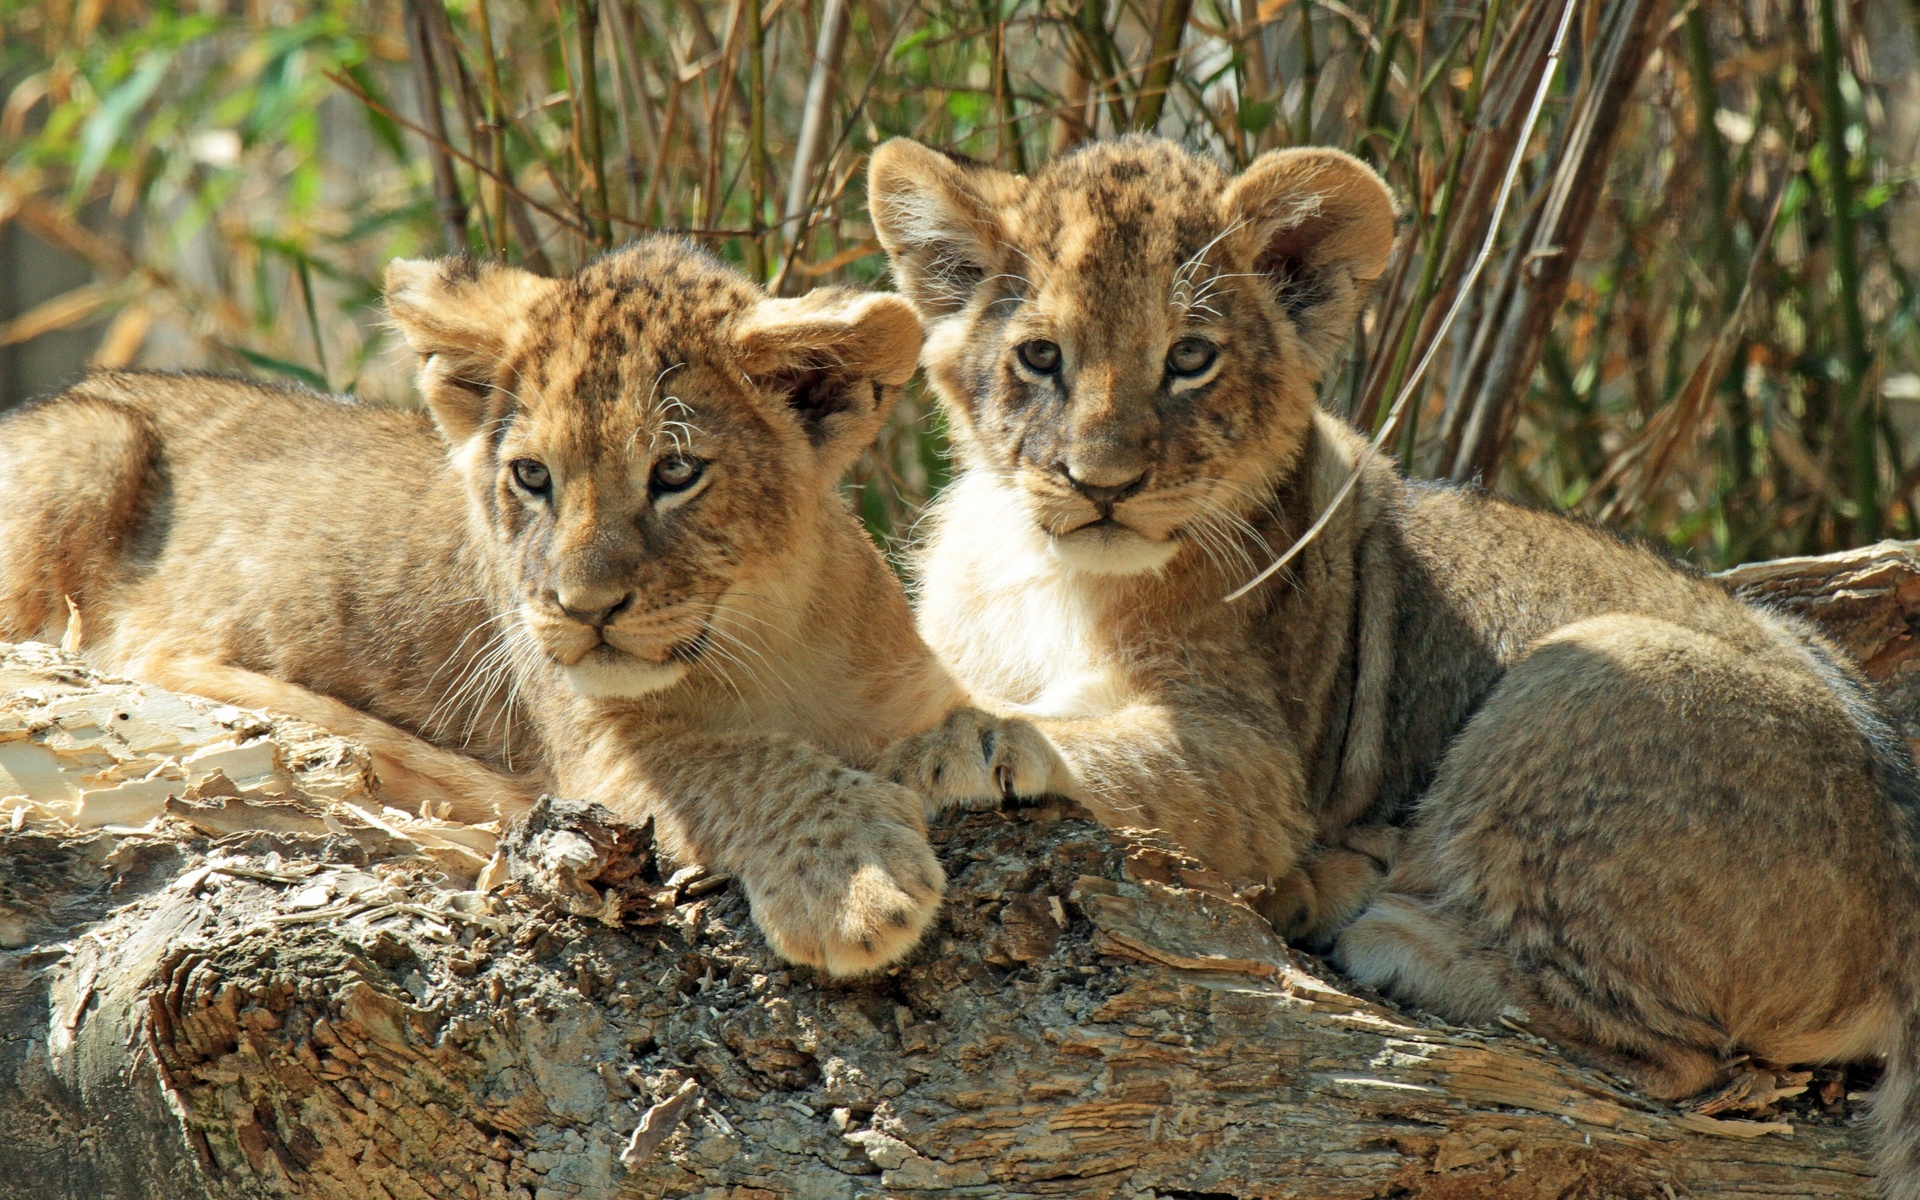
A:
[677, 473]
[1191, 356]
[1039, 356]
[531, 476]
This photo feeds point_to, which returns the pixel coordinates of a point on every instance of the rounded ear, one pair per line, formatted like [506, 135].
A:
[459, 316]
[936, 217]
[830, 356]
[1319, 225]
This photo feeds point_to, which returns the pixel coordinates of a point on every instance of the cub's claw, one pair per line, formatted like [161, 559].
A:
[975, 760]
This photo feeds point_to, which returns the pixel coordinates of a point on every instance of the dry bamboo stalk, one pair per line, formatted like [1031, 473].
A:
[1534, 281]
[816, 113]
[449, 206]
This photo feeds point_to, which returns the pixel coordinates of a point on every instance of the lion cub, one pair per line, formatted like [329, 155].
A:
[1599, 752]
[614, 553]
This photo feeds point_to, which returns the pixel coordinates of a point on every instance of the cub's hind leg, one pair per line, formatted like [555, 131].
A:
[1603, 845]
[414, 774]
[77, 474]
[1420, 954]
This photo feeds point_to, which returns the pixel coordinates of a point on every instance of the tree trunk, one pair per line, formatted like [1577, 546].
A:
[241, 978]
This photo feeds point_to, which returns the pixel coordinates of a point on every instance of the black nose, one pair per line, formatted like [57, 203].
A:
[596, 617]
[1104, 496]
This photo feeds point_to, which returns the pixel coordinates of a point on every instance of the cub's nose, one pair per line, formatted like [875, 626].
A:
[1103, 495]
[590, 606]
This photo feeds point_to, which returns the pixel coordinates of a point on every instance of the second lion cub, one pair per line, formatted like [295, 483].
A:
[1598, 753]
[618, 536]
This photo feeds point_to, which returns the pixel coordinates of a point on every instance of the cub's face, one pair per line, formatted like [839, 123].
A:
[1130, 341]
[648, 443]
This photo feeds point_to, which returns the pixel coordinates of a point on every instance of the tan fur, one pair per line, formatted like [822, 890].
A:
[1664, 825]
[721, 657]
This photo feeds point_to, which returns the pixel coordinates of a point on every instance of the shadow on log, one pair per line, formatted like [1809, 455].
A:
[249, 980]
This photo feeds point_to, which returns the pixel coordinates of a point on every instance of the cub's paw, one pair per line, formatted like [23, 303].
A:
[975, 760]
[852, 891]
[1319, 898]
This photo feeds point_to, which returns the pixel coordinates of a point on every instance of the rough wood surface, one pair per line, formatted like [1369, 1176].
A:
[268, 986]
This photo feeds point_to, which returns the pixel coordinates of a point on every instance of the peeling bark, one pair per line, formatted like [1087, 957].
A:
[292, 993]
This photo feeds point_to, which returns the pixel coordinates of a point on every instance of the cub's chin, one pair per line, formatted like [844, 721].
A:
[607, 674]
[1109, 548]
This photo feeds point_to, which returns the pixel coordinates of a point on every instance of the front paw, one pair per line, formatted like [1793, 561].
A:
[975, 760]
[854, 891]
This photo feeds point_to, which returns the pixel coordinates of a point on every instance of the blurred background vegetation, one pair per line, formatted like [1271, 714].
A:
[1699, 321]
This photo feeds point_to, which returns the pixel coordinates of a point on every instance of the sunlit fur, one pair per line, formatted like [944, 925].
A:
[382, 572]
[1508, 765]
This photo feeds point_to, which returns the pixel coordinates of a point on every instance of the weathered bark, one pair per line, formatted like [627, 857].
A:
[274, 989]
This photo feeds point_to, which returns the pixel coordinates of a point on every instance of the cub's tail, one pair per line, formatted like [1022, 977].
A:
[78, 473]
[1896, 1113]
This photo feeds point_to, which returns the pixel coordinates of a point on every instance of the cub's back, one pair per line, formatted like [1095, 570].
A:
[212, 515]
[1480, 579]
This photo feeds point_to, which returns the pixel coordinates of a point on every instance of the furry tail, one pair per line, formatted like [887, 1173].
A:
[77, 472]
[1896, 1113]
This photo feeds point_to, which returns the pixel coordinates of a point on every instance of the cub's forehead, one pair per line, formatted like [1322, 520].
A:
[631, 350]
[657, 309]
[1116, 210]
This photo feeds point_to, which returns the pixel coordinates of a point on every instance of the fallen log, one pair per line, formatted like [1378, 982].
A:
[227, 971]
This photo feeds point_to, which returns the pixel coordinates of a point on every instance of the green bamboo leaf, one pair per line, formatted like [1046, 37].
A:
[280, 366]
[104, 131]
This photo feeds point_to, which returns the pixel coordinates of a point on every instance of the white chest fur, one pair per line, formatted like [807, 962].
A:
[1022, 630]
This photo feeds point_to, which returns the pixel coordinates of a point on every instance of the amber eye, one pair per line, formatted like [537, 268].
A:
[1191, 356]
[677, 473]
[532, 476]
[1039, 356]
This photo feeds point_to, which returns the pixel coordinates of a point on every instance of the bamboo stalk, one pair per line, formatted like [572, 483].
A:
[1309, 75]
[496, 122]
[628, 78]
[1163, 55]
[1713, 157]
[1092, 23]
[1854, 417]
[1007, 128]
[1077, 70]
[815, 113]
[757, 136]
[1441, 231]
[1376, 101]
[449, 206]
[1258, 81]
[446, 49]
[1539, 268]
[657, 169]
[586, 108]
[716, 124]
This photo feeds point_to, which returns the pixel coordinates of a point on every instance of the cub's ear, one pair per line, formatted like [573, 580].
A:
[936, 217]
[830, 356]
[1319, 225]
[458, 314]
